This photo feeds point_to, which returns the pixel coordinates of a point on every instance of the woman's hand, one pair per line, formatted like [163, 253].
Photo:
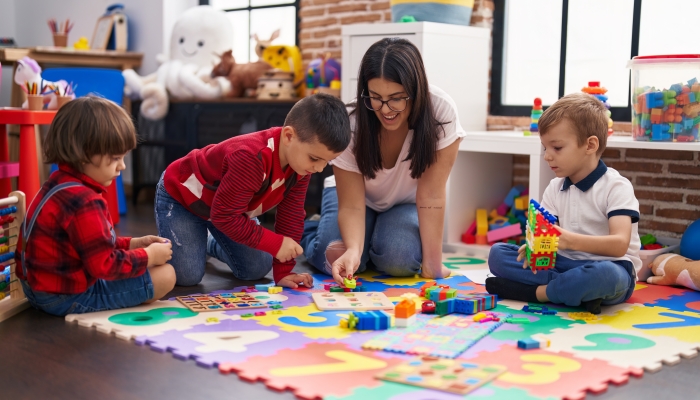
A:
[345, 266]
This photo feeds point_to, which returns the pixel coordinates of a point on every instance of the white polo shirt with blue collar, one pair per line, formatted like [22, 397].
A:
[586, 206]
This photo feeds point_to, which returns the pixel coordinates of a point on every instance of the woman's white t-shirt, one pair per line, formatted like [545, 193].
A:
[394, 185]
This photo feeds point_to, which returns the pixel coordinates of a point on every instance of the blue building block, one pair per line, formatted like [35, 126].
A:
[693, 81]
[677, 87]
[691, 97]
[660, 132]
[372, 320]
[514, 193]
[654, 99]
[261, 288]
[528, 344]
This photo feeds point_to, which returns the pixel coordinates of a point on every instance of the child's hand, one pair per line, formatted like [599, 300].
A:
[145, 241]
[289, 250]
[345, 266]
[566, 238]
[159, 253]
[292, 281]
[521, 256]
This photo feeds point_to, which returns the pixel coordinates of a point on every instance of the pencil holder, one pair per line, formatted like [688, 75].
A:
[60, 40]
[35, 102]
[61, 100]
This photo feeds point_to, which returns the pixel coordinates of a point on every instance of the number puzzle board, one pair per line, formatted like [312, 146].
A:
[447, 337]
[452, 376]
[355, 301]
[220, 302]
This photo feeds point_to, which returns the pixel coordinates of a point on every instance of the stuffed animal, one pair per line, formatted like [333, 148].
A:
[673, 269]
[276, 85]
[197, 37]
[286, 58]
[28, 70]
[261, 45]
[241, 76]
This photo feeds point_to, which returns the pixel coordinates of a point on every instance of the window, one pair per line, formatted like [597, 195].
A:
[261, 17]
[549, 48]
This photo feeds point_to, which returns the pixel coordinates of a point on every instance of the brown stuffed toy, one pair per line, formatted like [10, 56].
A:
[673, 269]
[242, 76]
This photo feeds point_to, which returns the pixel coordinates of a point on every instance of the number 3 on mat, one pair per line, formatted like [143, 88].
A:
[547, 371]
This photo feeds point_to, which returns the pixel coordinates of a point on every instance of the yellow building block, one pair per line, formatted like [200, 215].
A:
[521, 202]
[274, 289]
[482, 222]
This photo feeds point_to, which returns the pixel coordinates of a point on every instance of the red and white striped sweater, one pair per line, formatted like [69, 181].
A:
[238, 179]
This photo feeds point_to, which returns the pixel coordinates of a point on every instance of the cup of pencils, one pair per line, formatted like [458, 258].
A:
[35, 100]
[60, 32]
[64, 94]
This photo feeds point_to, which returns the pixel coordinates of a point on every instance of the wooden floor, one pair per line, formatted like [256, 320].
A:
[43, 357]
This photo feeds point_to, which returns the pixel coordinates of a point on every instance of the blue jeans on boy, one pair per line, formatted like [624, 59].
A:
[191, 244]
[103, 295]
[392, 239]
[571, 281]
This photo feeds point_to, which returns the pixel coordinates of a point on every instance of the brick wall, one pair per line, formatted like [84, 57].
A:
[667, 183]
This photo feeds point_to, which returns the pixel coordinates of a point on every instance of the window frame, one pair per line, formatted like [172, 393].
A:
[496, 106]
[295, 3]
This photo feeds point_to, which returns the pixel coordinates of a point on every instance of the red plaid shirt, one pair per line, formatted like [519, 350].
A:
[73, 242]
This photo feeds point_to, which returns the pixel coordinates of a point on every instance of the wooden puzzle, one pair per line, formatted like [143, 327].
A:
[542, 238]
[447, 337]
[220, 302]
[356, 301]
[454, 376]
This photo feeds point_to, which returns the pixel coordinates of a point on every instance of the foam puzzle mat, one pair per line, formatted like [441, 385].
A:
[302, 349]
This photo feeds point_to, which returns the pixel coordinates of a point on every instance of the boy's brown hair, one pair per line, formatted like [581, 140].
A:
[587, 115]
[86, 127]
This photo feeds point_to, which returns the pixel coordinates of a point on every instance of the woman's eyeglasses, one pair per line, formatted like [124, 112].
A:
[396, 104]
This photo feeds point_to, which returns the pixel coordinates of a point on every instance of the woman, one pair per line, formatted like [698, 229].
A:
[385, 206]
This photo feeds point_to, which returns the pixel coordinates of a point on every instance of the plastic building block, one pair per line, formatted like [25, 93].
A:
[272, 303]
[481, 239]
[274, 289]
[437, 293]
[482, 222]
[249, 290]
[503, 233]
[337, 289]
[521, 203]
[410, 296]
[349, 283]
[343, 323]
[541, 237]
[544, 310]
[445, 307]
[260, 314]
[517, 320]
[276, 306]
[212, 320]
[405, 309]
[261, 288]
[404, 322]
[527, 344]
[585, 316]
[246, 315]
[425, 287]
[466, 304]
[369, 320]
[276, 312]
[428, 307]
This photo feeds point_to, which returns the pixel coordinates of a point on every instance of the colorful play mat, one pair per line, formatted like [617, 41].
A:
[302, 349]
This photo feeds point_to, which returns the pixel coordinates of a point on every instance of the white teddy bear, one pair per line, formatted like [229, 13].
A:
[199, 36]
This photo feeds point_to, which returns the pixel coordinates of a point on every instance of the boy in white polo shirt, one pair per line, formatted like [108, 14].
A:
[597, 214]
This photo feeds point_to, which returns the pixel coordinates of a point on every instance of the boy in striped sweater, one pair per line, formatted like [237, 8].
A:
[223, 187]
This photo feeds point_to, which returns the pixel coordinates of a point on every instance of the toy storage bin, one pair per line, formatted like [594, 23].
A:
[665, 97]
[648, 256]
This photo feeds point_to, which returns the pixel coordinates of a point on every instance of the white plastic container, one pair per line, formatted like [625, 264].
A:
[648, 256]
[665, 93]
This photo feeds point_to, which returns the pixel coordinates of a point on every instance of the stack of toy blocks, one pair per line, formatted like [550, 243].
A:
[437, 293]
[468, 304]
[535, 115]
[405, 313]
[369, 320]
[541, 237]
[505, 223]
[595, 90]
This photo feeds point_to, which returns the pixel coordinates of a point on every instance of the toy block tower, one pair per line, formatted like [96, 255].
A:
[535, 116]
[404, 313]
[542, 238]
[595, 90]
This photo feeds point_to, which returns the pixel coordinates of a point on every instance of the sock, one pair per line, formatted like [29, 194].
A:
[592, 306]
[508, 289]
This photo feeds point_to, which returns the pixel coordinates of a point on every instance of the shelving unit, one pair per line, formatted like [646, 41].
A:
[483, 175]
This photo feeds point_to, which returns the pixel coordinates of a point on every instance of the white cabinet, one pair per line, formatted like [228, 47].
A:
[456, 59]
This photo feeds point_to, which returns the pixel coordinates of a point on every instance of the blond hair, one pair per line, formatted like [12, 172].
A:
[587, 115]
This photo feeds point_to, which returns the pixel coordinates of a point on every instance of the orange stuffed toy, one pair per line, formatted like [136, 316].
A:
[674, 269]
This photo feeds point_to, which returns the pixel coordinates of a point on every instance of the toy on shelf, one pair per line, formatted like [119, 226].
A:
[535, 115]
[667, 115]
[261, 45]
[220, 302]
[60, 31]
[360, 301]
[541, 237]
[534, 342]
[243, 77]
[12, 299]
[447, 375]
[404, 313]
[276, 84]
[595, 90]
[28, 77]
[286, 58]
[323, 76]
[649, 242]
[82, 44]
[505, 223]
[369, 320]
